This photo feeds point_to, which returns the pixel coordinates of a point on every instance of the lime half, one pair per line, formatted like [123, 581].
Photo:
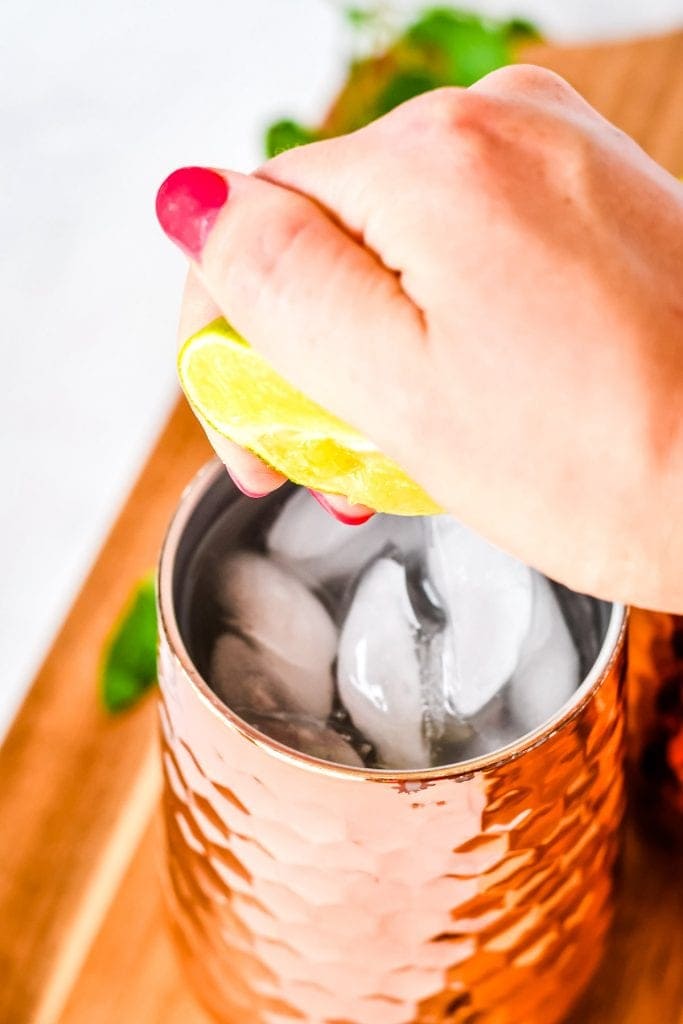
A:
[235, 390]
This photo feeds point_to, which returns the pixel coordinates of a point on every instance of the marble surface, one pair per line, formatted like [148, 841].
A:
[97, 103]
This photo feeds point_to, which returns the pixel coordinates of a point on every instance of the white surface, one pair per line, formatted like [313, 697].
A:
[97, 103]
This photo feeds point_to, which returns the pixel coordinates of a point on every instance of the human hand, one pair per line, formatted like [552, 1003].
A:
[487, 283]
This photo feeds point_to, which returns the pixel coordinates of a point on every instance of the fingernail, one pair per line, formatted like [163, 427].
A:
[342, 517]
[245, 490]
[188, 203]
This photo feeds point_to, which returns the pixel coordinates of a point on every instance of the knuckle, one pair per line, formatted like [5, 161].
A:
[457, 121]
[526, 79]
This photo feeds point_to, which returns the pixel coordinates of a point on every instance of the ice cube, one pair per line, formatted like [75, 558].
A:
[319, 548]
[246, 678]
[490, 730]
[378, 668]
[241, 680]
[486, 596]
[309, 737]
[548, 671]
[292, 635]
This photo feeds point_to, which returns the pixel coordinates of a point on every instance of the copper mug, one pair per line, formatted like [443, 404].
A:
[305, 891]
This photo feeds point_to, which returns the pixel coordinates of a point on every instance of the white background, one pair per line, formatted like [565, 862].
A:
[98, 101]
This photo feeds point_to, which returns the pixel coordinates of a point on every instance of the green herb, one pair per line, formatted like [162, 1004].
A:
[129, 663]
[523, 29]
[401, 87]
[463, 47]
[284, 135]
[441, 46]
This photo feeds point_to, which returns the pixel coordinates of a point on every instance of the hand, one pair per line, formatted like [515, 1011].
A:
[488, 283]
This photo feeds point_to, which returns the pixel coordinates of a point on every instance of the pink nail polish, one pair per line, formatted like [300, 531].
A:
[187, 205]
[347, 520]
[240, 486]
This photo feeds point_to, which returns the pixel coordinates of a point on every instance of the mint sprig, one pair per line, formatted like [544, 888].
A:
[129, 663]
[442, 46]
[286, 134]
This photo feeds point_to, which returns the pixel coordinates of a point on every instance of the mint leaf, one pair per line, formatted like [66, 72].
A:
[463, 46]
[442, 45]
[403, 86]
[286, 134]
[522, 28]
[129, 662]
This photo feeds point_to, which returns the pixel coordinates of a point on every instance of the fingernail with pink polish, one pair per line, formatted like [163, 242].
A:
[187, 205]
[245, 490]
[342, 517]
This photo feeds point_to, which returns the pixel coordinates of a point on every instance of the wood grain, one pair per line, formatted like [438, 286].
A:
[131, 974]
[81, 922]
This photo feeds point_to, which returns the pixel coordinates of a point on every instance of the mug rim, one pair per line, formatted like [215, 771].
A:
[191, 496]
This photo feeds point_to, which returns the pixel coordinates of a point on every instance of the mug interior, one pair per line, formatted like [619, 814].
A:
[597, 626]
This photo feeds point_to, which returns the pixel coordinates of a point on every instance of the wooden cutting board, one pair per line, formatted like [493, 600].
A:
[82, 937]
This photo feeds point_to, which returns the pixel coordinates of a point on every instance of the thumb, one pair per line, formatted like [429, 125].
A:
[319, 305]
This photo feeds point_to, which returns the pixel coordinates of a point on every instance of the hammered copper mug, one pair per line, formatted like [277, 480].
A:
[303, 891]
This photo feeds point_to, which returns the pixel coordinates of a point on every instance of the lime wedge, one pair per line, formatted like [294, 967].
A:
[235, 390]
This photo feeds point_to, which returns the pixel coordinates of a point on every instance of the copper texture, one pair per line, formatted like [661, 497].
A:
[304, 891]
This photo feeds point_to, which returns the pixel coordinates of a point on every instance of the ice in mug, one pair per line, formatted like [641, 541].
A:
[404, 643]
